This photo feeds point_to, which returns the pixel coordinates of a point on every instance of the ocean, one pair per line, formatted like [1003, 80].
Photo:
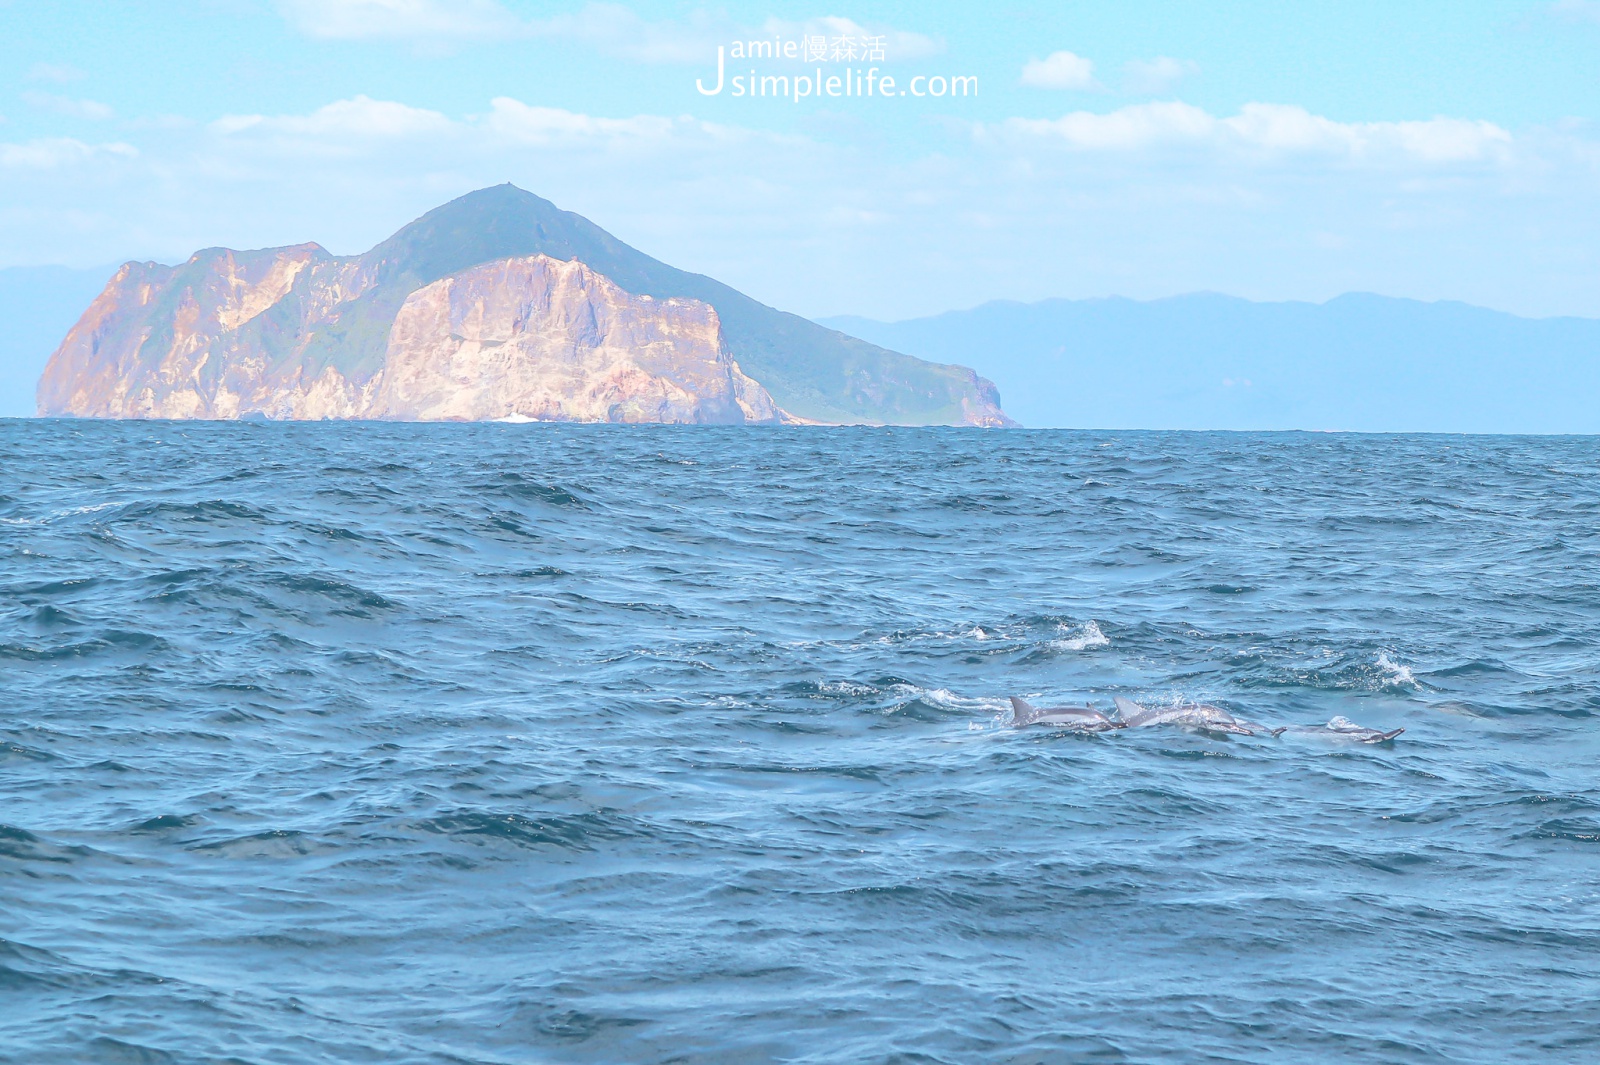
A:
[461, 744]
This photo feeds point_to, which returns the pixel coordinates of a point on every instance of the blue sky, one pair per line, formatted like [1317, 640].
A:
[1431, 150]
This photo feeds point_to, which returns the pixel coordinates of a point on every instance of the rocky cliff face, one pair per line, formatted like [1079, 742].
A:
[542, 340]
[528, 339]
[190, 341]
[496, 305]
[155, 343]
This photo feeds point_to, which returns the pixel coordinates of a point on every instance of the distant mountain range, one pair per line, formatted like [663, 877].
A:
[1204, 361]
[497, 305]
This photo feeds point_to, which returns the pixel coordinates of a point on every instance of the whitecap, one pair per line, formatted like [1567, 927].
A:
[69, 512]
[1395, 674]
[1083, 637]
[946, 699]
[845, 687]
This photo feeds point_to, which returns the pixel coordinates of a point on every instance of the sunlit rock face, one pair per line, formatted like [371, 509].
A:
[536, 339]
[525, 339]
[184, 341]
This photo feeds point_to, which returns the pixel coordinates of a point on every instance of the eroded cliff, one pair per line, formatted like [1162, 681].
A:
[542, 340]
[522, 339]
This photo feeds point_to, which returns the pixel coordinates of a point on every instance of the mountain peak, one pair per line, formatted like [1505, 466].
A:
[498, 222]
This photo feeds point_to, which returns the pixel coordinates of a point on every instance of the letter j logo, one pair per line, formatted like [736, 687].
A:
[712, 92]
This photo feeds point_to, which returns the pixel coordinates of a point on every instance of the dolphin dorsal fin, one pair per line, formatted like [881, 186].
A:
[1022, 712]
[1125, 707]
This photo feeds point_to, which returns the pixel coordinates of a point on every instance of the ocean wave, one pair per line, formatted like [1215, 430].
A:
[1084, 637]
[665, 743]
[516, 486]
[944, 701]
[1395, 674]
[578, 832]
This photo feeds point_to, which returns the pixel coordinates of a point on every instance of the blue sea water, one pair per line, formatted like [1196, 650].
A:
[492, 744]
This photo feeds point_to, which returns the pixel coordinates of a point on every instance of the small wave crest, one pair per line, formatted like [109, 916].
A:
[1081, 638]
[917, 703]
[945, 699]
[1396, 675]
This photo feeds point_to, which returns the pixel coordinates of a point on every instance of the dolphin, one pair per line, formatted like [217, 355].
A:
[1342, 728]
[1078, 718]
[1198, 715]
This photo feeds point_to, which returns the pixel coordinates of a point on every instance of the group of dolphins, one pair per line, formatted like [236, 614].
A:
[1200, 716]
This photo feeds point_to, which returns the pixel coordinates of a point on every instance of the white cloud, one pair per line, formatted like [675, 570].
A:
[1273, 129]
[1150, 77]
[1139, 126]
[526, 124]
[611, 28]
[93, 110]
[1577, 10]
[1060, 70]
[60, 73]
[617, 30]
[50, 153]
[420, 20]
[361, 123]
[359, 117]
